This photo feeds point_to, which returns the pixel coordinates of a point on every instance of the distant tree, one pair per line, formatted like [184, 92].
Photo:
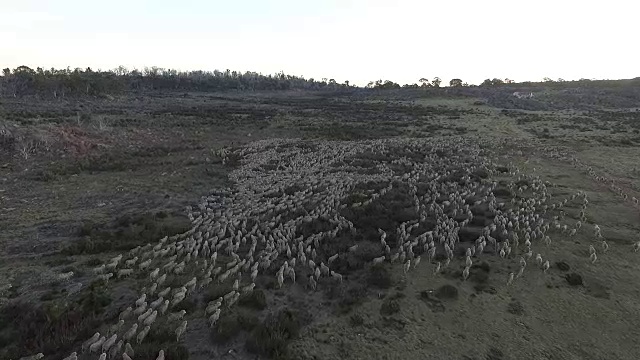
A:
[561, 80]
[6, 72]
[508, 81]
[547, 79]
[424, 82]
[492, 82]
[436, 82]
[465, 84]
[346, 83]
[455, 83]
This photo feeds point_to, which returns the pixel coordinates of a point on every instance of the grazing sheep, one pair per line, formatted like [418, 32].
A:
[37, 356]
[214, 317]
[115, 349]
[124, 273]
[97, 345]
[131, 332]
[90, 341]
[181, 329]
[176, 316]
[151, 318]
[142, 334]
[160, 355]
[128, 350]
[72, 356]
[103, 356]
[109, 343]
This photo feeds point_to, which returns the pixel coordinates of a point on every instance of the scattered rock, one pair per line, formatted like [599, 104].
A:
[574, 279]
[563, 266]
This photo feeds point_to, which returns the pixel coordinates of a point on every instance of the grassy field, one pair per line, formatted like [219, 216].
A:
[280, 176]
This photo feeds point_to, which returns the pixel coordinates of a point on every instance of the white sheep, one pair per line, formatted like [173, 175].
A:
[160, 355]
[181, 329]
[151, 318]
[142, 334]
[37, 356]
[131, 332]
[90, 341]
[97, 345]
[103, 356]
[176, 316]
[128, 350]
[124, 273]
[109, 343]
[72, 356]
[214, 318]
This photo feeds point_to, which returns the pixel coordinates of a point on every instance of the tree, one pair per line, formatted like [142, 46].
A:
[547, 79]
[436, 82]
[455, 83]
[424, 82]
[6, 72]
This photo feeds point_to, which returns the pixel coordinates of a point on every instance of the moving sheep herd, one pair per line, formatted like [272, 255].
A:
[295, 217]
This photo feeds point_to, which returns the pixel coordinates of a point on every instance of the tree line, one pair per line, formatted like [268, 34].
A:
[24, 80]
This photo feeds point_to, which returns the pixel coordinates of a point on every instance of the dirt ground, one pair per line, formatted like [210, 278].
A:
[83, 181]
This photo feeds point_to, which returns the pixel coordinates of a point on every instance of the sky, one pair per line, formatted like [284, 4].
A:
[355, 40]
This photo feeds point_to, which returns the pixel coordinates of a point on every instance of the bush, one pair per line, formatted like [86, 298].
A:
[272, 337]
[256, 300]
[379, 276]
[389, 307]
[226, 328]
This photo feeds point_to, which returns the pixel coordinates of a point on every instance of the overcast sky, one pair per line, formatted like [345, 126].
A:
[356, 40]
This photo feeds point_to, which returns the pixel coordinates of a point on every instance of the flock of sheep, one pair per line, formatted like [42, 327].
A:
[252, 230]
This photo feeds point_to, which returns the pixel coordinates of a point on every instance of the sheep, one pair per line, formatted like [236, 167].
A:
[160, 355]
[97, 345]
[99, 270]
[510, 279]
[156, 303]
[65, 276]
[142, 334]
[176, 316]
[465, 273]
[116, 327]
[115, 349]
[154, 274]
[141, 300]
[129, 263]
[131, 332]
[72, 356]
[214, 318]
[336, 276]
[636, 246]
[141, 309]
[90, 341]
[146, 314]
[37, 356]
[144, 265]
[128, 350]
[103, 356]
[163, 307]
[151, 318]
[545, 266]
[164, 292]
[105, 277]
[180, 330]
[124, 273]
[177, 298]
[405, 267]
[109, 343]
